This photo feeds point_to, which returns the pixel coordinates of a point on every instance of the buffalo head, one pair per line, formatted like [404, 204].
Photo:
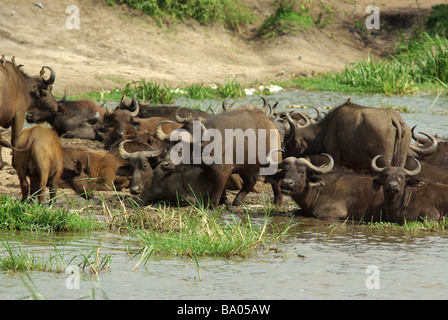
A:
[395, 180]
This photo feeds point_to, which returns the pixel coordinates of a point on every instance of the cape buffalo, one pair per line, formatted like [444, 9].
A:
[182, 183]
[146, 110]
[408, 198]
[41, 159]
[87, 170]
[68, 116]
[324, 194]
[124, 122]
[239, 138]
[19, 93]
[353, 135]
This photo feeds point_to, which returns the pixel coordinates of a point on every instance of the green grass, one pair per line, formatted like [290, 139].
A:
[420, 65]
[197, 230]
[16, 215]
[290, 17]
[231, 13]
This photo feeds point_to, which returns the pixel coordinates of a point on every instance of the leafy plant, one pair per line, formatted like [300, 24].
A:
[290, 17]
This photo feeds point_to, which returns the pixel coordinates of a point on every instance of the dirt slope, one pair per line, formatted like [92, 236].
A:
[115, 45]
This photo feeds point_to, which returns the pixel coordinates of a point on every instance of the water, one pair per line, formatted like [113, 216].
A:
[321, 261]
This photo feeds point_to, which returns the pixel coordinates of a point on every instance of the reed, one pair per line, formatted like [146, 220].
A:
[201, 231]
[16, 215]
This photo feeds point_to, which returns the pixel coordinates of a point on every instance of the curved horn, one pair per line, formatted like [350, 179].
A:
[136, 109]
[152, 153]
[294, 124]
[322, 169]
[426, 150]
[87, 168]
[52, 77]
[123, 153]
[145, 104]
[181, 119]
[109, 111]
[416, 171]
[265, 105]
[224, 103]
[319, 114]
[63, 98]
[159, 132]
[374, 166]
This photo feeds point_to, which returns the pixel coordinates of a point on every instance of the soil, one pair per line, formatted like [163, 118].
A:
[116, 45]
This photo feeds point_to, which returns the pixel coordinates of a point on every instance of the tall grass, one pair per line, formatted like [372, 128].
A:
[418, 64]
[165, 94]
[16, 215]
[200, 231]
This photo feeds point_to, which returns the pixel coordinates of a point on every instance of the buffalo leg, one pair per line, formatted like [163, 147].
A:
[218, 188]
[2, 164]
[278, 195]
[24, 186]
[249, 181]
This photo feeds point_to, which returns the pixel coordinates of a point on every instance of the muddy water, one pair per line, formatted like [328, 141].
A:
[320, 261]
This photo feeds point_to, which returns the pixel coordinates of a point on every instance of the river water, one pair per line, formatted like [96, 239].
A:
[321, 260]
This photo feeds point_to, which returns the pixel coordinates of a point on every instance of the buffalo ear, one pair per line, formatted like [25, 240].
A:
[414, 183]
[124, 171]
[315, 181]
[78, 166]
[376, 184]
[136, 125]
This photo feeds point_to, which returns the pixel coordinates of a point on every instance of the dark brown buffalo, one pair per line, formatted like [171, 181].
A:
[19, 93]
[141, 159]
[88, 170]
[182, 184]
[124, 122]
[70, 114]
[326, 194]
[218, 167]
[147, 110]
[407, 198]
[40, 158]
[353, 135]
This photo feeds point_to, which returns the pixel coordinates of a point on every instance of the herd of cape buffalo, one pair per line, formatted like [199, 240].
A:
[355, 162]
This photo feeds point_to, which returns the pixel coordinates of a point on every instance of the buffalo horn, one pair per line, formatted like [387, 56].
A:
[294, 124]
[162, 136]
[52, 77]
[265, 105]
[416, 171]
[63, 98]
[134, 106]
[181, 119]
[109, 111]
[123, 153]
[425, 150]
[224, 104]
[374, 166]
[319, 114]
[87, 169]
[322, 169]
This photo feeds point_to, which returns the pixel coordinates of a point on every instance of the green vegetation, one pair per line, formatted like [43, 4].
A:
[420, 63]
[199, 231]
[16, 215]
[231, 13]
[290, 17]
